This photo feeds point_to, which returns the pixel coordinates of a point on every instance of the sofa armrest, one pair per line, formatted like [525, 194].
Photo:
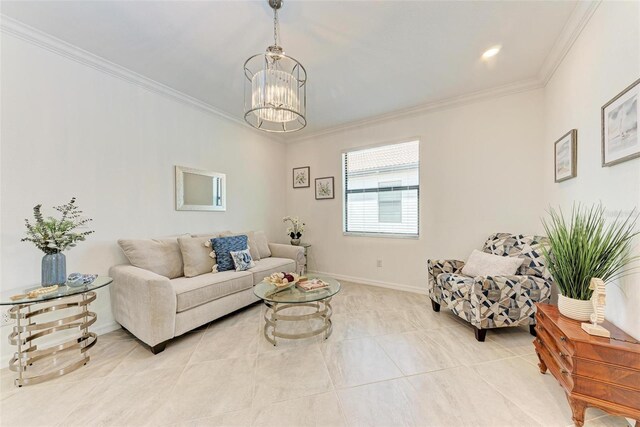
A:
[438, 266]
[295, 253]
[515, 296]
[144, 303]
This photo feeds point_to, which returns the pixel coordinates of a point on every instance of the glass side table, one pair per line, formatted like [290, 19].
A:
[25, 311]
[306, 247]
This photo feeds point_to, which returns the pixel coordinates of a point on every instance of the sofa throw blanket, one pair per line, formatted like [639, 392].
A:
[223, 246]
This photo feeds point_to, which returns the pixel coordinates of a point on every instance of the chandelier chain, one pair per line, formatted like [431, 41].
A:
[276, 27]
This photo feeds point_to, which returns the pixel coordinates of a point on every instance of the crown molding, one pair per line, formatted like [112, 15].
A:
[443, 104]
[48, 42]
[579, 18]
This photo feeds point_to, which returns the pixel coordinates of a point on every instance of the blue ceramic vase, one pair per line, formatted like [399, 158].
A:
[54, 269]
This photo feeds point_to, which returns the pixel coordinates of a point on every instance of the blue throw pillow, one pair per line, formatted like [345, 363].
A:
[223, 246]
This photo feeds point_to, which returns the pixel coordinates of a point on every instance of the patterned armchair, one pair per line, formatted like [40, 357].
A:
[498, 301]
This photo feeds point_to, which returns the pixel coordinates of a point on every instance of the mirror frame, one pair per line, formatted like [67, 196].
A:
[181, 206]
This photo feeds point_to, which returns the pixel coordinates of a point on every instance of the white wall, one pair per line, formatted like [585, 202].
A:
[70, 130]
[479, 173]
[604, 60]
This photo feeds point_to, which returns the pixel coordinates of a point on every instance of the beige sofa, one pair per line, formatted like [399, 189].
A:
[156, 306]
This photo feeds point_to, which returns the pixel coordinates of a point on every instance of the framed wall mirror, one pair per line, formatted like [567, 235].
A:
[200, 190]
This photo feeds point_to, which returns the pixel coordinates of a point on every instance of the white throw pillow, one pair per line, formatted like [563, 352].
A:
[484, 264]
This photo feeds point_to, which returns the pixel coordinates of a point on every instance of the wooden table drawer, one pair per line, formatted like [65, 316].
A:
[608, 392]
[562, 343]
[616, 374]
[564, 360]
[561, 374]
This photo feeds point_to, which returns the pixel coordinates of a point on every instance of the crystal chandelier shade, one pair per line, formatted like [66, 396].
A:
[275, 88]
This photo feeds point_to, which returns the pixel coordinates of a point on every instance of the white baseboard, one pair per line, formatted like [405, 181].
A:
[378, 283]
[99, 330]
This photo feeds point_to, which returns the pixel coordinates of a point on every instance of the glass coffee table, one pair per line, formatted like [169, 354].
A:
[279, 299]
[65, 309]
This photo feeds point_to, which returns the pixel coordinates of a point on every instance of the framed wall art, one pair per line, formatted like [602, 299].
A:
[620, 140]
[324, 188]
[565, 156]
[301, 177]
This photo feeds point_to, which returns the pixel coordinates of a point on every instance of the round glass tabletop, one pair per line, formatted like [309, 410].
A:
[293, 294]
[61, 292]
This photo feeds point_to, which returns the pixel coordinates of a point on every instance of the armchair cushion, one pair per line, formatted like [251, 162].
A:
[528, 247]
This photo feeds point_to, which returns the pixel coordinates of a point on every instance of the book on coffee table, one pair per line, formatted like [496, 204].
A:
[312, 284]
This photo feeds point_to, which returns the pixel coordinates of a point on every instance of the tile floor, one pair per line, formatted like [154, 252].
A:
[391, 361]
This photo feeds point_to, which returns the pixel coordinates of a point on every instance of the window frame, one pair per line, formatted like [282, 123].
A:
[343, 154]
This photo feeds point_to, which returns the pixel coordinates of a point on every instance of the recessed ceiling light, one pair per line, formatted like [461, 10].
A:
[491, 52]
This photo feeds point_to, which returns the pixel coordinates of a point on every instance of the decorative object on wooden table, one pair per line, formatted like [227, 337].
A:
[295, 230]
[598, 301]
[620, 117]
[597, 372]
[324, 188]
[566, 156]
[585, 246]
[53, 236]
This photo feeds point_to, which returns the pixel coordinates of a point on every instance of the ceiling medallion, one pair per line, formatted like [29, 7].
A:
[275, 91]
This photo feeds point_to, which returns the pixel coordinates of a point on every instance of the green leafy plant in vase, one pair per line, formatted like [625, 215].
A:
[585, 246]
[53, 236]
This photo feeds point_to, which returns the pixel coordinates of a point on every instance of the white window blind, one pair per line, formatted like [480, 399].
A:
[381, 190]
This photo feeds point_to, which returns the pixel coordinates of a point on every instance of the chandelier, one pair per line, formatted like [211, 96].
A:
[275, 97]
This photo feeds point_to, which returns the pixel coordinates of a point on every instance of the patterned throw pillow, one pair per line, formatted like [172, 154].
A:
[242, 260]
[222, 246]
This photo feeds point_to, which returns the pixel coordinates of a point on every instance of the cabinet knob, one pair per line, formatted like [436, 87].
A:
[564, 371]
[563, 339]
[561, 354]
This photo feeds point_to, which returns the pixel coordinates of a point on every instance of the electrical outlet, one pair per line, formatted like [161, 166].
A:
[379, 264]
[5, 319]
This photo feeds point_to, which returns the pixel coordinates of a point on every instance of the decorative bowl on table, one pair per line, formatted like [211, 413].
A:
[281, 280]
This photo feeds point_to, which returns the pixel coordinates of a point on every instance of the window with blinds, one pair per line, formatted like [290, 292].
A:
[381, 190]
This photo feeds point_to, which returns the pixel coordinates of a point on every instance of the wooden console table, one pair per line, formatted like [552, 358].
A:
[599, 372]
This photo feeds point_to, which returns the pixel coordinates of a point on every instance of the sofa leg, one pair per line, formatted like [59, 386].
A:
[159, 348]
[532, 330]
[435, 306]
[480, 333]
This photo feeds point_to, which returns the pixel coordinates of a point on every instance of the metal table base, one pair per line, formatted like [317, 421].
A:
[273, 316]
[27, 330]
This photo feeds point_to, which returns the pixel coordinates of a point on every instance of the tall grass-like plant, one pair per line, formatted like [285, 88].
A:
[585, 246]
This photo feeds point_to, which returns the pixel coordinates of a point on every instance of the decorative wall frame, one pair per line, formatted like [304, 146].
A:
[565, 156]
[325, 188]
[619, 119]
[200, 190]
[302, 177]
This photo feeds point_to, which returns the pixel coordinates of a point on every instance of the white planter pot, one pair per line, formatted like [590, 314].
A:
[575, 309]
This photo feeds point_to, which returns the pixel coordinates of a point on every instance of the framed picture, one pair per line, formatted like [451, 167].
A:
[565, 157]
[324, 188]
[620, 127]
[301, 177]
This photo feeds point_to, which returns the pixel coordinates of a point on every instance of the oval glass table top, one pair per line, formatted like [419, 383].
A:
[293, 294]
[61, 292]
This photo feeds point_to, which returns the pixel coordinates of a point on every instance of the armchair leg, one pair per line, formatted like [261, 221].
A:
[480, 333]
[435, 306]
[159, 348]
[532, 330]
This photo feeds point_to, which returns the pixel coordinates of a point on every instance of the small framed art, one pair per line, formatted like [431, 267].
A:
[565, 156]
[324, 188]
[301, 177]
[620, 140]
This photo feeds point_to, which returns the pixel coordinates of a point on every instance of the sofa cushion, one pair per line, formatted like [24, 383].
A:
[262, 243]
[194, 291]
[161, 256]
[195, 254]
[266, 266]
[223, 246]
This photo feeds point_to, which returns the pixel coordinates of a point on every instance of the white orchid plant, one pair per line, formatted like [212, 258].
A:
[297, 227]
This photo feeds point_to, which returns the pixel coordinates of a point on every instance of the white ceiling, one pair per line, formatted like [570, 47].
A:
[363, 58]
